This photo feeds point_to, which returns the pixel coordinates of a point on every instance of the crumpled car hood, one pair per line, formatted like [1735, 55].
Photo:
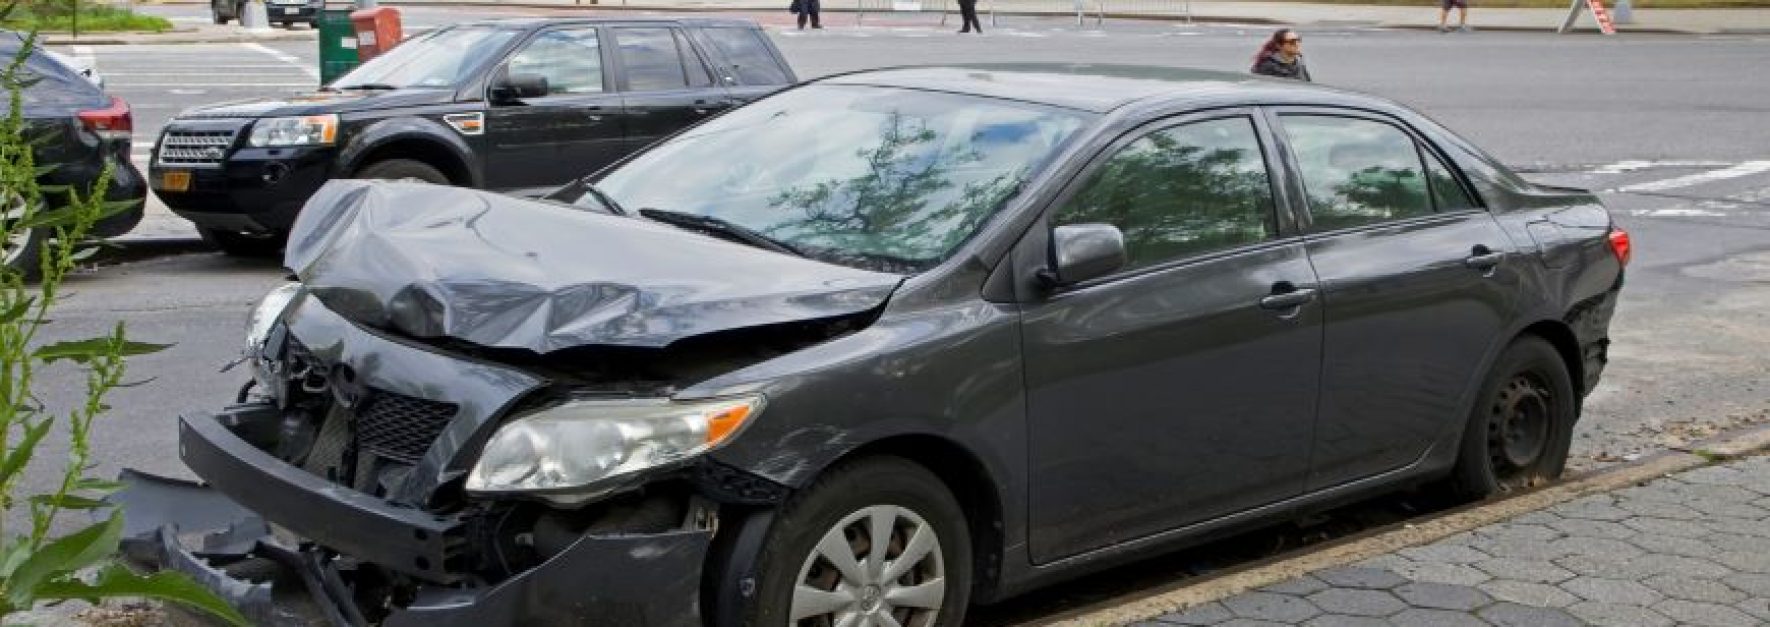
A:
[498, 271]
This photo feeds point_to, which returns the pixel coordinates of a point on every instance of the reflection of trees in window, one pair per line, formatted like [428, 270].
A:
[1172, 198]
[885, 211]
[1381, 193]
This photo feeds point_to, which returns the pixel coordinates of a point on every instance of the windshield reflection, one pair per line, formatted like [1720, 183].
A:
[880, 178]
[439, 59]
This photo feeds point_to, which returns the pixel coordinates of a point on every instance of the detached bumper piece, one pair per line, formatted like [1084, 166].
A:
[334, 547]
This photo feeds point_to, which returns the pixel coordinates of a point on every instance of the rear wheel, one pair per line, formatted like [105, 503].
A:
[218, 19]
[403, 170]
[244, 244]
[875, 542]
[21, 249]
[1522, 424]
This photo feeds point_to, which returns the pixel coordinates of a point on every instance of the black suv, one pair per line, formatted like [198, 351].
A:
[285, 12]
[508, 105]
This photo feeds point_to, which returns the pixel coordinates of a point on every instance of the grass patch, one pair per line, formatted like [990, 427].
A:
[1477, 5]
[90, 19]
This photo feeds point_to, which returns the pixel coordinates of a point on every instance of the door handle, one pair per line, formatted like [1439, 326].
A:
[1483, 258]
[1286, 296]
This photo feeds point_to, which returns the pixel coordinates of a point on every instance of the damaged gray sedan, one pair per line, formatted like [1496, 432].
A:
[883, 346]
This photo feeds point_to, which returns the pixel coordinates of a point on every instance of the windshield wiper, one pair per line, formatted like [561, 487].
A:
[371, 87]
[729, 229]
[604, 198]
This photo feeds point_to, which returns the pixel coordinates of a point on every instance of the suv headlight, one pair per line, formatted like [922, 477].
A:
[263, 316]
[584, 448]
[311, 130]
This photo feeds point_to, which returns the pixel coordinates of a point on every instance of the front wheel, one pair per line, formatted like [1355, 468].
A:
[1522, 423]
[403, 170]
[879, 542]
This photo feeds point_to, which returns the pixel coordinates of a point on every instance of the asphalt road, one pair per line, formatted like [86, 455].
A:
[1671, 126]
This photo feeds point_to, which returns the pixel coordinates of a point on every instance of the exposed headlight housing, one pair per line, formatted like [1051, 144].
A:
[265, 314]
[584, 449]
[310, 130]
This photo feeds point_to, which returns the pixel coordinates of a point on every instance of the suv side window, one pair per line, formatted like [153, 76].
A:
[749, 55]
[570, 60]
[1357, 171]
[1181, 191]
[650, 58]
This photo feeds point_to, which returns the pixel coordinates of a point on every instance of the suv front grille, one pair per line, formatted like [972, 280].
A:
[195, 148]
[400, 427]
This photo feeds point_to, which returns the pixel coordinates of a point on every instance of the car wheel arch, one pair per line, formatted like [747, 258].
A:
[412, 138]
[1560, 336]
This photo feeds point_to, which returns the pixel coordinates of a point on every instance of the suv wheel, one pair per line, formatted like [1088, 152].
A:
[403, 170]
[1522, 423]
[216, 16]
[243, 244]
[876, 542]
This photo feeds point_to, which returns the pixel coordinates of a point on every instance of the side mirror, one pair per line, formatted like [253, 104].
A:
[1080, 252]
[516, 87]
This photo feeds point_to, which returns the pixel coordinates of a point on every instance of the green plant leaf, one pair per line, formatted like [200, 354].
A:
[65, 555]
[21, 453]
[17, 549]
[83, 351]
[98, 485]
[17, 310]
[117, 581]
[69, 502]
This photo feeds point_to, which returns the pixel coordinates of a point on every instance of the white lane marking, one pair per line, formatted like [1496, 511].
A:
[211, 85]
[1744, 169]
[284, 57]
[1676, 213]
[1624, 167]
[274, 75]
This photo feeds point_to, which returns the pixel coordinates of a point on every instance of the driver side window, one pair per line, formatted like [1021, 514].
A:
[570, 60]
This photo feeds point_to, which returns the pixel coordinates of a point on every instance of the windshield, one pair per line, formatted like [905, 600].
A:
[879, 178]
[439, 59]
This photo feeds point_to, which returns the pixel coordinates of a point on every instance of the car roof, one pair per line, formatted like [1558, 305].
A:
[1104, 87]
[526, 23]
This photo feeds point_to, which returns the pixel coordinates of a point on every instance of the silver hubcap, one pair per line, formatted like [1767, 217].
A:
[13, 246]
[879, 567]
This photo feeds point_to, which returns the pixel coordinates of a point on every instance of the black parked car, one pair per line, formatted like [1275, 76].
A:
[285, 12]
[872, 349]
[80, 130]
[510, 105]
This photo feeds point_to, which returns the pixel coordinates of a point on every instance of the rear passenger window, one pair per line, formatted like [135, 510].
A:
[651, 59]
[1447, 193]
[1357, 171]
[749, 55]
[1182, 191]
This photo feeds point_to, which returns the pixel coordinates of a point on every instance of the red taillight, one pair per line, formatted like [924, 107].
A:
[113, 122]
[1619, 244]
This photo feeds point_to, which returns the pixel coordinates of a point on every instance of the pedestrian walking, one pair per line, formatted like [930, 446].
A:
[808, 11]
[968, 11]
[1462, 7]
[1282, 56]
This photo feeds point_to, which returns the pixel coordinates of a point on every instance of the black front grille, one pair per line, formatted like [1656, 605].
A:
[400, 427]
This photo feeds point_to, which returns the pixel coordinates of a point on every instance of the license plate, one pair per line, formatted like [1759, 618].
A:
[291, 11]
[175, 181]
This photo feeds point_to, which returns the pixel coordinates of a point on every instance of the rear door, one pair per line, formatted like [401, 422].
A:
[1419, 284]
[570, 132]
[1183, 388]
[666, 84]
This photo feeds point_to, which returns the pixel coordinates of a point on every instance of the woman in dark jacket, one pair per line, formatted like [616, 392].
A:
[1282, 56]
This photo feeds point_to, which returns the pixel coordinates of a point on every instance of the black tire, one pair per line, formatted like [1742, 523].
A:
[218, 19]
[1521, 425]
[27, 259]
[288, 26]
[851, 490]
[402, 169]
[244, 245]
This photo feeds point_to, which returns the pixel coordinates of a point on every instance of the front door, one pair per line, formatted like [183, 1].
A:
[575, 129]
[1419, 283]
[1182, 388]
[667, 85]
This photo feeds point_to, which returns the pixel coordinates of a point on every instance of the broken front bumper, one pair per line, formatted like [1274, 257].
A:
[220, 536]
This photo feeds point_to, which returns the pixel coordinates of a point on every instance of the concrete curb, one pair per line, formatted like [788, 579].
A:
[1186, 594]
[178, 38]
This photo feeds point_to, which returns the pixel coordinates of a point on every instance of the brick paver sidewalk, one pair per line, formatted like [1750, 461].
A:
[1690, 549]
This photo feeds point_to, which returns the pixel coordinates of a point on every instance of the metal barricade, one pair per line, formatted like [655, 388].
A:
[1143, 8]
[863, 7]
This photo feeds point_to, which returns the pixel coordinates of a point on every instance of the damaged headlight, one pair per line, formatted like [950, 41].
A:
[265, 315]
[576, 446]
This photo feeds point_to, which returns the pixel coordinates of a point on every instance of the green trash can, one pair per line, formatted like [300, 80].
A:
[337, 42]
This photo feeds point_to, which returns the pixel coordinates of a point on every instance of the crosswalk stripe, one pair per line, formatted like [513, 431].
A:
[1744, 169]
